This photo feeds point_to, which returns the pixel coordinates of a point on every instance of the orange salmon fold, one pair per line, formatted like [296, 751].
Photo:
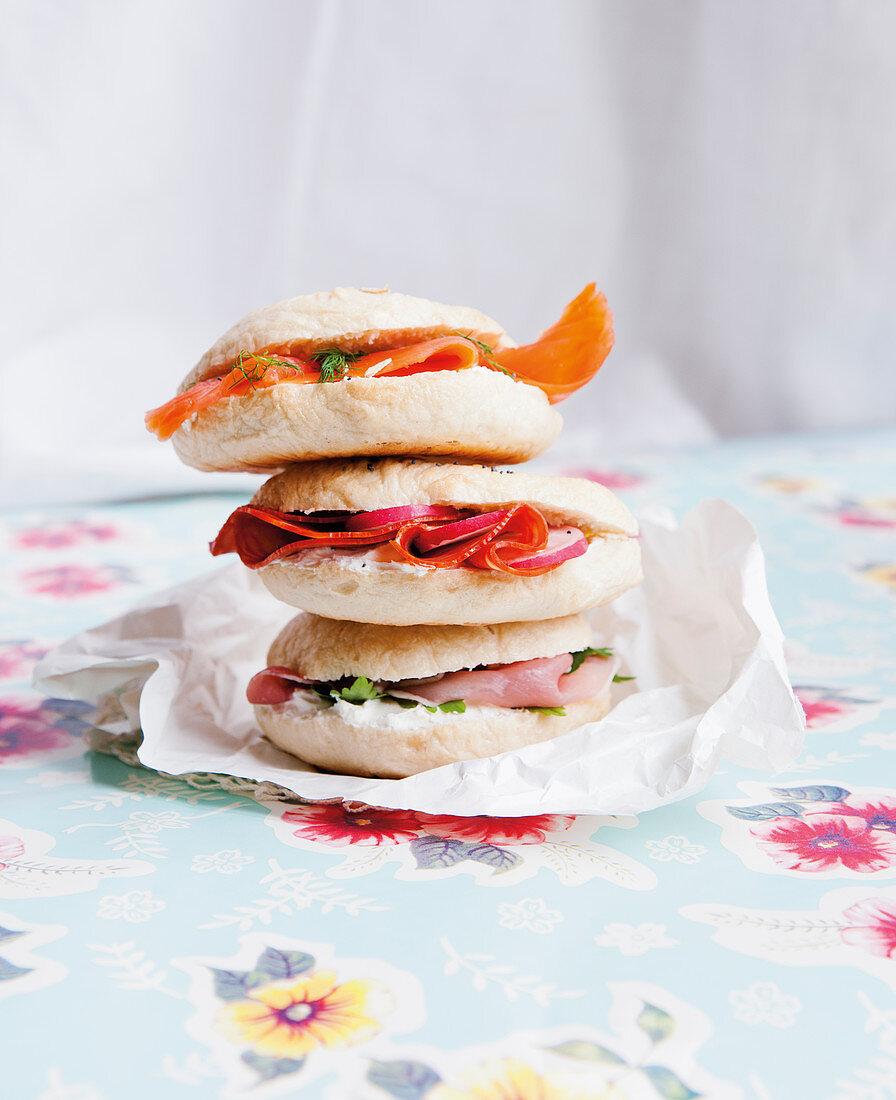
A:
[570, 352]
[238, 381]
[443, 353]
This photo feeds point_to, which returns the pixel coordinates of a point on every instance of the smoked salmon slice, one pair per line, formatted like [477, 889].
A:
[260, 371]
[570, 352]
[443, 353]
[252, 373]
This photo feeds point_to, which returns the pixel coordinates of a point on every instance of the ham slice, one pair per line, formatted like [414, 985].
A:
[274, 685]
[543, 682]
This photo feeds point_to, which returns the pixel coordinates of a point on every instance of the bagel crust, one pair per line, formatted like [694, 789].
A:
[328, 649]
[394, 745]
[407, 595]
[477, 414]
[363, 486]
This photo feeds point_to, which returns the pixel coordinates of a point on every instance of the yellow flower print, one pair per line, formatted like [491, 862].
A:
[287, 1019]
[884, 506]
[790, 485]
[510, 1079]
[883, 574]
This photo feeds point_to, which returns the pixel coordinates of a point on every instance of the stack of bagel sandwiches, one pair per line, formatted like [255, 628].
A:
[441, 595]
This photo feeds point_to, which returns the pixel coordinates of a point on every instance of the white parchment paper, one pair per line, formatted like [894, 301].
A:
[699, 634]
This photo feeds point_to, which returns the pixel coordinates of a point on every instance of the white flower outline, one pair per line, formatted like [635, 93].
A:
[675, 847]
[226, 862]
[135, 906]
[531, 914]
[764, 1003]
[634, 939]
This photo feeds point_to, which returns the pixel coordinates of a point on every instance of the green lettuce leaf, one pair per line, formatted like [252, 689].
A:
[578, 658]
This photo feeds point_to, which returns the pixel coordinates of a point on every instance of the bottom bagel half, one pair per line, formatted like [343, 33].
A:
[391, 701]
[404, 595]
[391, 743]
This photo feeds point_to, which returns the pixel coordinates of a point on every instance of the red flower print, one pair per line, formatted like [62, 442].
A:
[876, 815]
[337, 826]
[820, 841]
[10, 848]
[56, 535]
[66, 581]
[497, 830]
[27, 729]
[873, 923]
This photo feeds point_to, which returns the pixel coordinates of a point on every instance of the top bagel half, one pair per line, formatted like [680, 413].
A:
[476, 413]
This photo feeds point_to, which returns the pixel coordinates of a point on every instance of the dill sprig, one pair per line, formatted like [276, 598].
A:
[486, 351]
[251, 367]
[334, 363]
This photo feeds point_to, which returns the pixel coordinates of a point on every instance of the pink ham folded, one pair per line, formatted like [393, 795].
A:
[274, 685]
[542, 682]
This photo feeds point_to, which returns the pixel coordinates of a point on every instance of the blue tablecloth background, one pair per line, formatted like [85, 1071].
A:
[158, 938]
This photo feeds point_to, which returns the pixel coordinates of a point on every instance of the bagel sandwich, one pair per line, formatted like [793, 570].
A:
[407, 542]
[386, 701]
[372, 372]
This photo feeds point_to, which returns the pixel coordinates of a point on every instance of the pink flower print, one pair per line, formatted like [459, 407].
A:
[823, 706]
[337, 826]
[865, 513]
[57, 535]
[31, 729]
[612, 479]
[876, 815]
[18, 657]
[873, 926]
[496, 830]
[858, 518]
[11, 847]
[821, 841]
[68, 581]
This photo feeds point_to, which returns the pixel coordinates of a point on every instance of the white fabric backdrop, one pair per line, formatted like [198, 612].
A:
[726, 171]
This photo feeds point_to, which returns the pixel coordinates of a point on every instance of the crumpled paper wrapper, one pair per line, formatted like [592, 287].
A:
[699, 634]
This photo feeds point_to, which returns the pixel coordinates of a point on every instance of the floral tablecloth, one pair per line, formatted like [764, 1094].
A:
[159, 938]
